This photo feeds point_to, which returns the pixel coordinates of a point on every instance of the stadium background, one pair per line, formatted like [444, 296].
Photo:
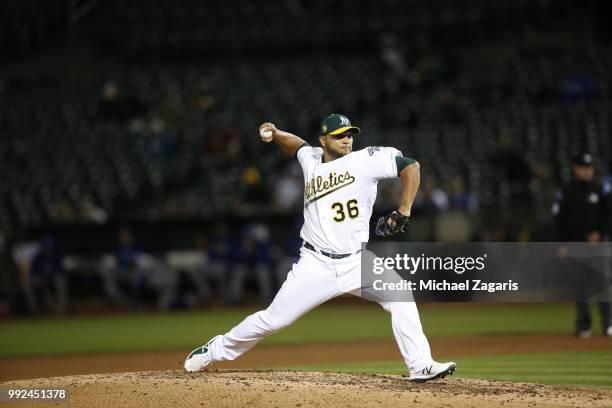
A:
[144, 115]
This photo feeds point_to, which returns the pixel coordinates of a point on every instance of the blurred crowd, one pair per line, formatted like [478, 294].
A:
[154, 121]
[120, 138]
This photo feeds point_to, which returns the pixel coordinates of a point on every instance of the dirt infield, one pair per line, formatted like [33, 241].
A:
[233, 388]
[302, 354]
[226, 386]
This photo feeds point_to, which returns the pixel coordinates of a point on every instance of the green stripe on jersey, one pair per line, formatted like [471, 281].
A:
[403, 162]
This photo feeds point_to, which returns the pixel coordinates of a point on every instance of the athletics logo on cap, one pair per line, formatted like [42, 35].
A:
[335, 124]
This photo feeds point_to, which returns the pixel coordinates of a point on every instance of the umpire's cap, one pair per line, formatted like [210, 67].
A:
[583, 159]
[335, 124]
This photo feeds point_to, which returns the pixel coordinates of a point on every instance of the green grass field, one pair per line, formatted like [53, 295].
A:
[331, 323]
[152, 332]
[581, 368]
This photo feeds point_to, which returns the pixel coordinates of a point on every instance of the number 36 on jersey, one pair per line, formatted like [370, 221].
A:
[343, 210]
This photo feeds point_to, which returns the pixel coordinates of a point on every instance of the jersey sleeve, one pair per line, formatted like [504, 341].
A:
[380, 162]
[306, 154]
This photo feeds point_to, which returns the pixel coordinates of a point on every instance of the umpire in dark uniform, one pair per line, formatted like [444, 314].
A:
[581, 211]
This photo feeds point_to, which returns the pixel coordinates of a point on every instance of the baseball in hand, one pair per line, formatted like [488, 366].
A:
[266, 135]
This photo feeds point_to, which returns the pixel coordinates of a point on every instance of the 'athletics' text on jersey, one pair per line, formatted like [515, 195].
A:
[339, 195]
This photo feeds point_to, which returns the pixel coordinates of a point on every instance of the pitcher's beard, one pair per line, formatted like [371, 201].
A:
[336, 154]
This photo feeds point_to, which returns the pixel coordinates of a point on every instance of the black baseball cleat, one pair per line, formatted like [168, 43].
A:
[432, 372]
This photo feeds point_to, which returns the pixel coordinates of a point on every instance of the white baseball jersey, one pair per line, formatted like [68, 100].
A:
[339, 195]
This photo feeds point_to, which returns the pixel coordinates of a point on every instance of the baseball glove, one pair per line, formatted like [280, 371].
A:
[391, 224]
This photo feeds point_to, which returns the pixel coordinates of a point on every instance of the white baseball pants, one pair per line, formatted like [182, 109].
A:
[313, 280]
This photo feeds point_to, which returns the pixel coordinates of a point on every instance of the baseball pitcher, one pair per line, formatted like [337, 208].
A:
[340, 190]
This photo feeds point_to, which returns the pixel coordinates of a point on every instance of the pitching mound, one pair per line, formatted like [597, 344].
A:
[234, 388]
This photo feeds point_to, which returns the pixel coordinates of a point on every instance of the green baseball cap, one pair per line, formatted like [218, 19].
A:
[335, 124]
